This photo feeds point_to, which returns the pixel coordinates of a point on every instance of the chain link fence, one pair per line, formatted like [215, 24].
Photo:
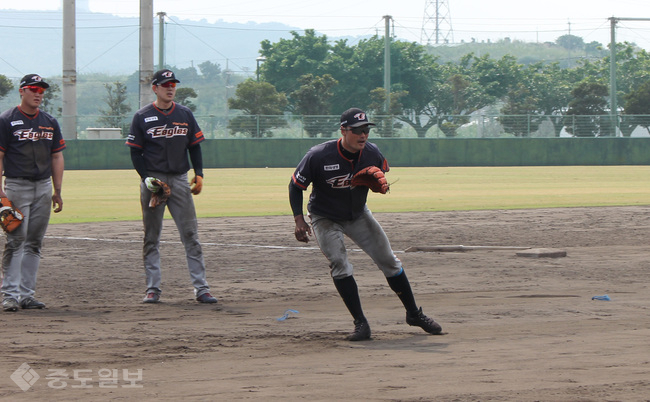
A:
[465, 126]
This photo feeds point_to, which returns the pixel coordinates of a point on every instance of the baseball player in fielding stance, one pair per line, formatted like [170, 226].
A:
[161, 136]
[337, 208]
[32, 163]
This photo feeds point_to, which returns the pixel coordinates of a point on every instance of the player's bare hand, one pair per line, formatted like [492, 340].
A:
[303, 230]
[57, 203]
[196, 185]
[303, 234]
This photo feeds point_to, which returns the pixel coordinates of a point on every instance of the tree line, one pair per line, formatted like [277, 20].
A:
[312, 77]
[308, 76]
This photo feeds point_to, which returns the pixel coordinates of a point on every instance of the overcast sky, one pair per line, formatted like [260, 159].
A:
[478, 19]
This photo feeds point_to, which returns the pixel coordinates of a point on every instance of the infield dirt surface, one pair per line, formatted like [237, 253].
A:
[516, 328]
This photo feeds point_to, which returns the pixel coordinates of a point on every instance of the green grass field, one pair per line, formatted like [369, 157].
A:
[112, 195]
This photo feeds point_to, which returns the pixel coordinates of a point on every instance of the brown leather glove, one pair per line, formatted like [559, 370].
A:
[373, 178]
[10, 216]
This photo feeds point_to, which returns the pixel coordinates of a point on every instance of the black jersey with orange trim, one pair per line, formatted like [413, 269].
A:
[164, 137]
[28, 143]
[329, 172]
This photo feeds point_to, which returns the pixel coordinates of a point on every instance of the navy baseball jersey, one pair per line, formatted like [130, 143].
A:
[167, 135]
[330, 173]
[28, 143]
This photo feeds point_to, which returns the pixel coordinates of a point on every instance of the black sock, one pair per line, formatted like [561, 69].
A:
[349, 292]
[401, 286]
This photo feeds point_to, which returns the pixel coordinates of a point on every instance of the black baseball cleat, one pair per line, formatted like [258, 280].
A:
[31, 303]
[420, 320]
[361, 331]
[206, 298]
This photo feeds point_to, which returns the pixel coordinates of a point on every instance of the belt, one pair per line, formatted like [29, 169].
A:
[27, 178]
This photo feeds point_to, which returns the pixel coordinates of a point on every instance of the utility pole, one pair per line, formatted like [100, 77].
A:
[613, 106]
[146, 51]
[436, 23]
[570, 62]
[69, 90]
[387, 41]
[161, 40]
[613, 103]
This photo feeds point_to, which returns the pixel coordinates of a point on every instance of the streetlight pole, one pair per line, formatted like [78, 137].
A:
[259, 60]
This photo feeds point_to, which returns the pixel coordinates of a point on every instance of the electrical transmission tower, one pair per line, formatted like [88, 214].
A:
[436, 24]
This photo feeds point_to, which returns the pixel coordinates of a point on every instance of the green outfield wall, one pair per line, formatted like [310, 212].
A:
[255, 153]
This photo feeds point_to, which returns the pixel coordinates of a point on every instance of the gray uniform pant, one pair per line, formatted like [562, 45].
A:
[366, 232]
[181, 208]
[22, 253]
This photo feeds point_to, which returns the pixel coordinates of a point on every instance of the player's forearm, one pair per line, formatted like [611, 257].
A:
[295, 199]
[58, 166]
[196, 157]
[138, 163]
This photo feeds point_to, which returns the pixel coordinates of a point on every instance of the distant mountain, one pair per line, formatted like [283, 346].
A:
[32, 42]
[108, 44]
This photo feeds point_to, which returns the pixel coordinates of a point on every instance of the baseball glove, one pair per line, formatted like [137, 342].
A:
[10, 216]
[160, 190]
[373, 178]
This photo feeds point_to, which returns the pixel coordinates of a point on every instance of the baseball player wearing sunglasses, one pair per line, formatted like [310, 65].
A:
[32, 164]
[338, 209]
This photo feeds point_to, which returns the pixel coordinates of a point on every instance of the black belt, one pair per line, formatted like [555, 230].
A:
[27, 178]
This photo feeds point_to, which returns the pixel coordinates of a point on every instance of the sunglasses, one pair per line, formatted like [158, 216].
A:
[360, 130]
[35, 89]
[170, 84]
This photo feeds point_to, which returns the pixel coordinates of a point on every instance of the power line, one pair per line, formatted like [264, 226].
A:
[200, 40]
[109, 49]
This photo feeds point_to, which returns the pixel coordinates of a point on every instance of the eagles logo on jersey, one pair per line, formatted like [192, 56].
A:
[31, 135]
[163, 131]
[340, 181]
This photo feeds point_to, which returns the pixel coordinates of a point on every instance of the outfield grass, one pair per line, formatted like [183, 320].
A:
[113, 195]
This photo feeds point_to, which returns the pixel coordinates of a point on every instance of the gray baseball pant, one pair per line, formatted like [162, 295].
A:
[181, 208]
[22, 253]
[366, 232]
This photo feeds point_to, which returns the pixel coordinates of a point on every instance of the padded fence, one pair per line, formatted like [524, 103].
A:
[272, 152]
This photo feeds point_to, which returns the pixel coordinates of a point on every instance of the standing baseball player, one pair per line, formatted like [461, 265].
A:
[32, 163]
[161, 136]
[337, 208]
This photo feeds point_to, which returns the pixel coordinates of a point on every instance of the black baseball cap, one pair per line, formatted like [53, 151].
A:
[33, 79]
[355, 117]
[162, 76]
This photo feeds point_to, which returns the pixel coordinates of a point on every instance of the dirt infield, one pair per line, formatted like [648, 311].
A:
[517, 329]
